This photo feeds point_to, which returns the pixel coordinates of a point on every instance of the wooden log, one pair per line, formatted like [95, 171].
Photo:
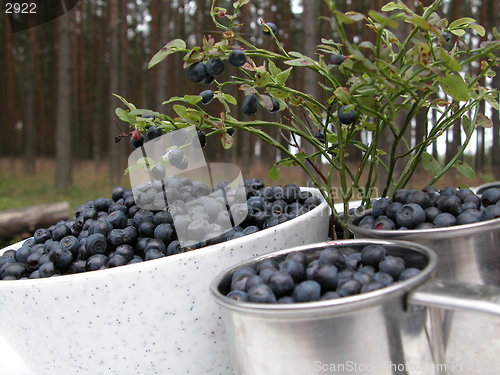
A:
[29, 219]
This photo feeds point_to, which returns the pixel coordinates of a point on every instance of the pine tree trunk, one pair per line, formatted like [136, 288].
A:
[29, 127]
[63, 174]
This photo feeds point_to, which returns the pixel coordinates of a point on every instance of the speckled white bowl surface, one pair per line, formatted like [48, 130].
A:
[150, 318]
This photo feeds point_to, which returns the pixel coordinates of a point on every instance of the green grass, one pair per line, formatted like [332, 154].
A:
[18, 190]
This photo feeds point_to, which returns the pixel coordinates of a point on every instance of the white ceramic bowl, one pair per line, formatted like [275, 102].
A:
[149, 318]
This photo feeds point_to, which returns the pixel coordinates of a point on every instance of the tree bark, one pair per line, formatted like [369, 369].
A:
[163, 84]
[14, 222]
[63, 175]
[114, 87]
[29, 128]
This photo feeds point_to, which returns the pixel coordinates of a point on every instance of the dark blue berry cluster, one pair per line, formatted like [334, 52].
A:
[331, 273]
[429, 208]
[106, 233]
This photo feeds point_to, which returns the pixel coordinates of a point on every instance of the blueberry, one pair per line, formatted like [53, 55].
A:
[47, 269]
[126, 251]
[32, 261]
[96, 244]
[153, 254]
[372, 255]
[14, 271]
[60, 231]
[312, 202]
[158, 172]
[114, 207]
[43, 259]
[249, 106]
[468, 217]
[252, 280]
[238, 295]
[276, 105]
[179, 136]
[214, 66]
[370, 270]
[392, 210]
[379, 207]
[294, 269]
[250, 230]
[70, 243]
[136, 259]
[79, 266]
[329, 255]
[131, 233]
[206, 96]
[337, 59]
[281, 283]
[431, 213]
[418, 197]
[118, 237]
[96, 262]
[383, 223]
[383, 278]
[408, 273]
[471, 199]
[349, 288]
[303, 195]
[61, 258]
[346, 117]
[41, 235]
[117, 219]
[400, 195]
[298, 257]
[153, 132]
[469, 206]
[261, 293]
[117, 193]
[363, 277]
[174, 247]
[35, 275]
[29, 242]
[208, 79]
[267, 264]
[366, 222]
[329, 295]
[286, 299]
[197, 72]
[176, 157]
[326, 276]
[163, 217]
[448, 191]
[490, 196]
[491, 212]
[447, 36]
[370, 287]
[270, 27]
[424, 225]
[137, 140]
[444, 219]
[307, 291]
[141, 216]
[464, 192]
[102, 227]
[237, 58]
[451, 204]
[392, 265]
[351, 261]
[410, 215]
[146, 229]
[202, 138]
[22, 254]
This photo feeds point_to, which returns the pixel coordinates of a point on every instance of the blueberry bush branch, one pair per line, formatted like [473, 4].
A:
[379, 81]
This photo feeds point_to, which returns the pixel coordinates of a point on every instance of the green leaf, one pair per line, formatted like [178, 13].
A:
[179, 109]
[286, 162]
[144, 112]
[493, 102]
[464, 169]
[484, 121]
[458, 32]
[392, 6]
[423, 24]
[192, 99]
[479, 29]
[124, 116]
[226, 140]
[282, 77]
[274, 173]
[173, 99]
[122, 99]
[168, 49]
[303, 61]
[343, 18]
[455, 86]
[230, 99]
[273, 69]
[343, 94]
[430, 164]
[449, 60]
[145, 162]
[266, 102]
[461, 22]
[383, 20]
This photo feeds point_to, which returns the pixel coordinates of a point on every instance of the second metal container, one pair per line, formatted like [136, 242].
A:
[388, 331]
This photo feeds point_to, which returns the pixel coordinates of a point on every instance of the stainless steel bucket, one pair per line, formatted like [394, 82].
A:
[388, 331]
[467, 253]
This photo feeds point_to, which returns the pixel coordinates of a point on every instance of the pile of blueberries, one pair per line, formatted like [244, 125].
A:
[106, 233]
[429, 208]
[333, 273]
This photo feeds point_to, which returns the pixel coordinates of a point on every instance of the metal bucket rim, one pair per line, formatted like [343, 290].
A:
[160, 262]
[333, 306]
[428, 234]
